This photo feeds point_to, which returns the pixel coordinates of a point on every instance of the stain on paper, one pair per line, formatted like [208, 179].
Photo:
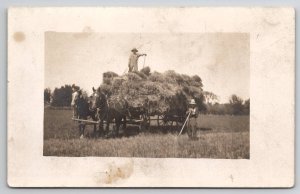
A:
[19, 36]
[116, 173]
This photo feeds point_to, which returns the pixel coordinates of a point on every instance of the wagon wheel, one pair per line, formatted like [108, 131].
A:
[179, 121]
[168, 120]
[148, 121]
[168, 123]
[145, 123]
[178, 124]
[160, 120]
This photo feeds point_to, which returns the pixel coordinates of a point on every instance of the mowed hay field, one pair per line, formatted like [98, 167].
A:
[219, 137]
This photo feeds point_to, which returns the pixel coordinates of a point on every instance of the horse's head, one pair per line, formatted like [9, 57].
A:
[97, 99]
[78, 97]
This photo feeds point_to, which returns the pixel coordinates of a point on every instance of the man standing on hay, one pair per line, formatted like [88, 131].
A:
[133, 60]
[192, 123]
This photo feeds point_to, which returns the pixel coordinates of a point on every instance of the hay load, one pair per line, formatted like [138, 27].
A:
[164, 92]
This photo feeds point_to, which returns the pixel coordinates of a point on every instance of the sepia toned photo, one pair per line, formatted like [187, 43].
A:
[147, 95]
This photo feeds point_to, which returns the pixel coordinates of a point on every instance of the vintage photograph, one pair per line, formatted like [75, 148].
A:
[150, 95]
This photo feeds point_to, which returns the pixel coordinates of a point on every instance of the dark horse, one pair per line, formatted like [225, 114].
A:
[107, 112]
[84, 112]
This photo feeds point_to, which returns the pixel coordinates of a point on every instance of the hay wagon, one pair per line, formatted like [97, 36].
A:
[166, 95]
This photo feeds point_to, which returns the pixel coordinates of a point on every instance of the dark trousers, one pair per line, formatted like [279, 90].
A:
[130, 68]
[192, 128]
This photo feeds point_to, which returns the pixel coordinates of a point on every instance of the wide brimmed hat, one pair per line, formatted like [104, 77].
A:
[134, 49]
[193, 101]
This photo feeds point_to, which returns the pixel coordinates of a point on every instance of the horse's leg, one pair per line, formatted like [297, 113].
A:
[101, 130]
[95, 131]
[107, 119]
[81, 129]
[117, 129]
[124, 122]
[106, 128]
[118, 123]
[82, 126]
[95, 125]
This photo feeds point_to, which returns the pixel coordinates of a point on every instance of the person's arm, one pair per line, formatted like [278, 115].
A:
[143, 54]
[196, 112]
[187, 112]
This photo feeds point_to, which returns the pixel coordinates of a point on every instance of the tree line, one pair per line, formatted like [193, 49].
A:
[235, 106]
[62, 97]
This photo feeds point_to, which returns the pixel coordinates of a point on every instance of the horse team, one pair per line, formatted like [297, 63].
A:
[98, 108]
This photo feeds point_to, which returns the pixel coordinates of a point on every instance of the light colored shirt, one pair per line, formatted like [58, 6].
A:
[133, 59]
[194, 111]
[74, 98]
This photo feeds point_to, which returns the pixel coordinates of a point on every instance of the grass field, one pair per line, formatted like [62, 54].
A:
[219, 137]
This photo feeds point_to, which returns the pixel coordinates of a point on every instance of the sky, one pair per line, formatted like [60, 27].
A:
[222, 60]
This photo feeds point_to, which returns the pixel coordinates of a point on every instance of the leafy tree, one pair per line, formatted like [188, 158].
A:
[47, 95]
[247, 107]
[236, 105]
[200, 103]
[210, 97]
[62, 96]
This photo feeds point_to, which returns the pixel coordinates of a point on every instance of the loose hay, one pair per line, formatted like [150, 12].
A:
[168, 91]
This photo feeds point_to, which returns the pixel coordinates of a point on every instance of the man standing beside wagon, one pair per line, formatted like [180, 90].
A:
[193, 120]
[75, 95]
